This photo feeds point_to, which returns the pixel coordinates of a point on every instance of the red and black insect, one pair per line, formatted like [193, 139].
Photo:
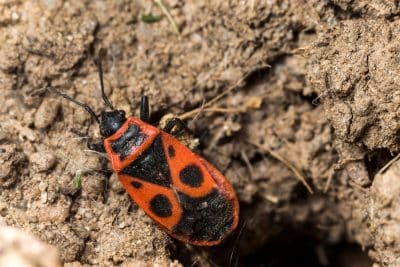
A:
[182, 192]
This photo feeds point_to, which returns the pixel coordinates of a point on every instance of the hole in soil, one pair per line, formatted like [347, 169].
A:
[156, 115]
[377, 160]
[312, 98]
[289, 250]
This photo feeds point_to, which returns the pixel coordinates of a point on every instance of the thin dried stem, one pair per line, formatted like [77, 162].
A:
[169, 16]
[295, 171]
[194, 112]
[384, 168]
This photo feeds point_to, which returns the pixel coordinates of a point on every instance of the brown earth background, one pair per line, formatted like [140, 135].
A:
[310, 104]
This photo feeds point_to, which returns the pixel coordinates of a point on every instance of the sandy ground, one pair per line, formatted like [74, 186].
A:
[307, 130]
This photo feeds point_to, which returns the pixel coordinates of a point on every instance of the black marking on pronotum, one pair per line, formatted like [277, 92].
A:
[132, 131]
[132, 138]
[206, 218]
[136, 184]
[151, 166]
[171, 151]
[191, 175]
[161, 206]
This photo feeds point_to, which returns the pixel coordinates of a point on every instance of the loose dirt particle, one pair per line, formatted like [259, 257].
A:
[22, 249]
[358, 173]
[46, 113]
[42, 161]
[11, 160]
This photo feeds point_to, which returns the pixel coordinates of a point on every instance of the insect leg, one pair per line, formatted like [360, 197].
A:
[98, 147]
[144, 109]
[176, 122]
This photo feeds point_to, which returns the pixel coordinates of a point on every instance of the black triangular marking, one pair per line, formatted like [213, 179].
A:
[151, 166]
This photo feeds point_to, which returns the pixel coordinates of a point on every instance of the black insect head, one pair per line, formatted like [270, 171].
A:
[110, 121]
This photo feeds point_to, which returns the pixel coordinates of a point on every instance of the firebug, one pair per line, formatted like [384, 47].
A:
[181, 191]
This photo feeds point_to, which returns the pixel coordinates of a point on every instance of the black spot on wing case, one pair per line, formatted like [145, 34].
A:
[207, 218]
[161, 206]
[191, 175]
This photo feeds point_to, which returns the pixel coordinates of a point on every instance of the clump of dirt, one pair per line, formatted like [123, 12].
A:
[384, 209]
[374, 8]
[309, 116]
[20, 249]
[12, 161]
[356, 78]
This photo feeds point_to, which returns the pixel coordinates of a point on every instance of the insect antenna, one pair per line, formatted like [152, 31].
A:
[100, 68]
[85, 106]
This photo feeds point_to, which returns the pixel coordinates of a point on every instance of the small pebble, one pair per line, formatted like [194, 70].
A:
[43, 197]
[46, 113]
[358, 173]
[42, 161]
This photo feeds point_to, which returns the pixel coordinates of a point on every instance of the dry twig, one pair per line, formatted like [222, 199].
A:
[384, 168]
[207, 106]
[295, 171]
[169, 16]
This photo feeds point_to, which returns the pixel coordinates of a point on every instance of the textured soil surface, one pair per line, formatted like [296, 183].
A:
[307, 129]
